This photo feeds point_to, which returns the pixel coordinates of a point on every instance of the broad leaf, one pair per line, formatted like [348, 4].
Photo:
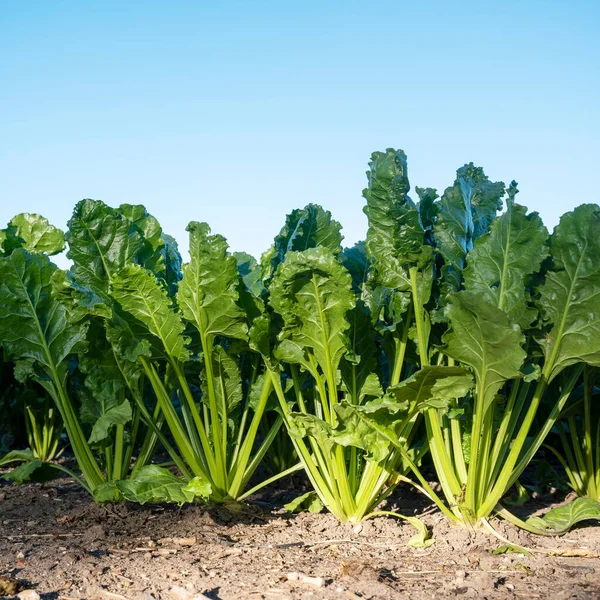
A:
[34, 233]
[558, 521]
[155, 484]
[308, 227]
[570, 297]
[208, 293]
[431, 387]
[502, 260]
[395, 236]
[139, 294]
[151, 254]
[482, 337]
[466, 212]
[312, 292]
[101, 242]
[33, 323]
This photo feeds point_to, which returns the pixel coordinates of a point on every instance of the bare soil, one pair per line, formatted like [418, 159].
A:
[55, 540]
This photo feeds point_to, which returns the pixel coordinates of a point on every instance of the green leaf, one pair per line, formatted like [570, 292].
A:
[33, 324]
[101, 242]
[502, 260]
[482, 337]
[151, 254]
[250, 272]
[432, 387]
[570, 297]
[466, 212]
[24, 472]
[173, 262]
[208, 293]
[228, 383]
[107, 382]
[139, 294]
[421, 539]
[198, 487]
[17, 456]
[559, 520]
[34, 233]
[358, 263]
[116, 415]
[155, 484]
[395, 236]
[308, 227]
[510, 549]
[354, 430]
[106, 492]
[306, 502]
[361, 362]
[312, 292]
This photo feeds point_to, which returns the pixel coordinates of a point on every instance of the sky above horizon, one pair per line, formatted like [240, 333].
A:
[234, 113]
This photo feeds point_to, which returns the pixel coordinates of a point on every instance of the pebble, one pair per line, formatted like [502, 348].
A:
[180, 593]
[28, 595]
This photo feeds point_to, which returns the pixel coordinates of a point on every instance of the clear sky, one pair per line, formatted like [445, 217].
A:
[236, 112]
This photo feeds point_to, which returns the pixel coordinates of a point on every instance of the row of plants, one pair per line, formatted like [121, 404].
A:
[460, 334]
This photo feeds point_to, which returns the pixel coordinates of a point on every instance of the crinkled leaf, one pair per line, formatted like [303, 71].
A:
[354, 430]
[466, 212]
[395, 236]
[570, 297]
[116, 415]
[302, 425]
[101, 242]
[482, 337]
[558, 521]
[173, 263]
[151, 253]
[106, 492]
[501, 261]
[33, 323]
[308, 227]
[227, 380]
[155, 484]
[34, 233]
[208, 293]
[432, 387]
[198, 487]
[312, 292]
[421, 539]
[138, 293]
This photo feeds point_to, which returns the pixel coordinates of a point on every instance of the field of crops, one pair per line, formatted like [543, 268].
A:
[439, 377]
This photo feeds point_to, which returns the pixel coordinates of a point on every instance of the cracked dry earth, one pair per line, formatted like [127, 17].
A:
[56, 541]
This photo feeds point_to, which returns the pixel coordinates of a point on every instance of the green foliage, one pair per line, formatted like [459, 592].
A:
[451, 330]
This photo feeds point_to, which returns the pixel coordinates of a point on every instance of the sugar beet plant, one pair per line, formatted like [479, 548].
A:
[459, 333]
[518, 309]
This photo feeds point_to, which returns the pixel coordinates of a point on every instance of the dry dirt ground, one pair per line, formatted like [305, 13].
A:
[56, 541]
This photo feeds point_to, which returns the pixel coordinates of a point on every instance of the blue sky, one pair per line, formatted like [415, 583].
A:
[235, 113]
